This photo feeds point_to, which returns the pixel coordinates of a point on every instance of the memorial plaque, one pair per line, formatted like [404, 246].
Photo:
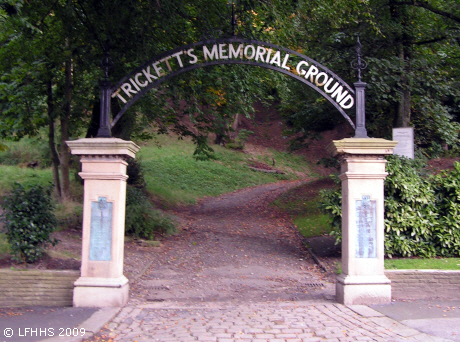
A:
[366, 224]
[100, 245]
[405, 138]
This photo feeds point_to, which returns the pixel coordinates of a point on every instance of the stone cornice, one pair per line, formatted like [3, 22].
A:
[103, 146]
[359, 146]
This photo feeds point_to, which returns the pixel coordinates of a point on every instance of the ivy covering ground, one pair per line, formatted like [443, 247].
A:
[422, 212]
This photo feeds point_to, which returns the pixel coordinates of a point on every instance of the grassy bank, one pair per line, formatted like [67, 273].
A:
[172, 175]
[175, 177]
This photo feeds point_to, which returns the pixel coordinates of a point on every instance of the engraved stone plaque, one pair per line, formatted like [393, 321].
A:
[100, 244]
[366, 224]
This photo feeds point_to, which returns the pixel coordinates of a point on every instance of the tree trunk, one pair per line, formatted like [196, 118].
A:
[402, 16]
[51, 142]
[65, 117]
[404, 105]
[235, 125]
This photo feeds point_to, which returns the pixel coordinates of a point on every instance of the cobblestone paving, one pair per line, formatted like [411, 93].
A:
[270, 322]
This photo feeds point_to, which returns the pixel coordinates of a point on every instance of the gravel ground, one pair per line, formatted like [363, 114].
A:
[233, 248]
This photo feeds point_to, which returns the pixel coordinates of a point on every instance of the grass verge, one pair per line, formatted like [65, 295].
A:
[301, 203]
[421, 264]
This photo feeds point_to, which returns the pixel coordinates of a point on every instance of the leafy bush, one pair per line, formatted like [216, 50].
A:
[410, 209]
[447, 232]
[135, 173]
[142, 220]
[29, 221]
[422, 213]
[331, 203]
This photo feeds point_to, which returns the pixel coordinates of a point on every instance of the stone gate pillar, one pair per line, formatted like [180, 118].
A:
[102, 283]
[362, 173]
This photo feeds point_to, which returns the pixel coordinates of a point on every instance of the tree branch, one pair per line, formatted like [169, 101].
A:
[426, 5]
[434, 40]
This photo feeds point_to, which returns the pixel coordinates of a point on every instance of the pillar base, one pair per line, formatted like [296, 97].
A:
[100, 292]
[363, 290]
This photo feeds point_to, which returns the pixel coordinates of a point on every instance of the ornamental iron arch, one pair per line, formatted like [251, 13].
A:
[233, 51]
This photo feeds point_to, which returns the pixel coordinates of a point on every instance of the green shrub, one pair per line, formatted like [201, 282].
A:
[422, 213]
[135, 172]
[410, 209]
[29, 221]
[142, 220]
[331, 203]
[447, 232]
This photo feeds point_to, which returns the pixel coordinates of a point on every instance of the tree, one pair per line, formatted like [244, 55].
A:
[412, 65]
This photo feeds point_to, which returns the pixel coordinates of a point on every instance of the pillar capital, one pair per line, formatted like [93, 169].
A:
[371, 147]
[103, 147]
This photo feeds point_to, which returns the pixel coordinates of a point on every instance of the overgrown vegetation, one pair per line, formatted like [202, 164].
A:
[421, 211]
[29, 221]
[142, 220]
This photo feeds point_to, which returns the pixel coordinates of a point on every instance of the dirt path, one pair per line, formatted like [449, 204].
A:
[232, 248]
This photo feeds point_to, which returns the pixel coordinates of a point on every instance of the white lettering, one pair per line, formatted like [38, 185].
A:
[148, 75]
[117, 94]
[276, 59]
[210, 54]
[260, 52]
[311, 72]
[166, 60]
[238, 53]
[286, 59]
[268, 56]
[301, 72]
[347, 106]
[126, 87]
[246, 48]
[324, 75]
[160, 72]
[326, 86]
[339, 95]
[142, 84]
[195, 58]
[222, 52]
[134, 84]
[177, 54]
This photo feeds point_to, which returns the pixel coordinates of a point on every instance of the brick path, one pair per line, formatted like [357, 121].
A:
[269, 322]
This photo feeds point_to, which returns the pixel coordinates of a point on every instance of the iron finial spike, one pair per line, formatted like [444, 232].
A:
[358, 63]
[233, 19]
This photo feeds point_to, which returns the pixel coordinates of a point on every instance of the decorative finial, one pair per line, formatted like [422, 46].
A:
[233, 22]
[107, 62]
[358, 63]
